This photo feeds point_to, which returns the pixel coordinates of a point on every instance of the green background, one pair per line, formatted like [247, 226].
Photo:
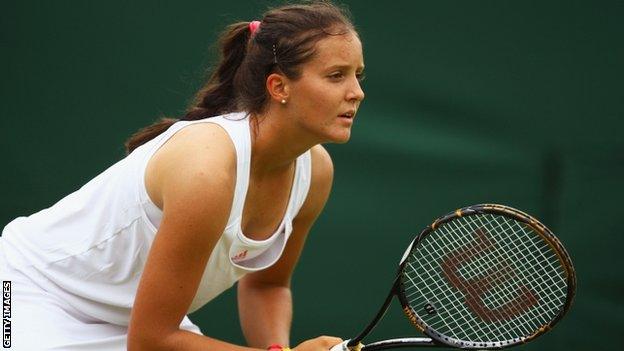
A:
[515, 102]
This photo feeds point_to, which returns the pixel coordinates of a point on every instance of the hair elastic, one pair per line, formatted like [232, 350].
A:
[253, 27]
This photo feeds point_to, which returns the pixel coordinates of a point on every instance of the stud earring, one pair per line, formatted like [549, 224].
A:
[283, 101]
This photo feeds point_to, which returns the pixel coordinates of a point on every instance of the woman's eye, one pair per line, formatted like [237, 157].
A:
[338, 76]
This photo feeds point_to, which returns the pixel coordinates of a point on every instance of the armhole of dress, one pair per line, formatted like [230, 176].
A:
[143, 196]
[306, 178]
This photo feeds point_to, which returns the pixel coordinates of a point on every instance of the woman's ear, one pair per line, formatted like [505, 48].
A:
[278, 87]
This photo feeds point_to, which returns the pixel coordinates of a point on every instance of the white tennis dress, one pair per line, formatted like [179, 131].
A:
[75, 267]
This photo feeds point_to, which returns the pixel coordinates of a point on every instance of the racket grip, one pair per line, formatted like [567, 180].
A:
[340, 347]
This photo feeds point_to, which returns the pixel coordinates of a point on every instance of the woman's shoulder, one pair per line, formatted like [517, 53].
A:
[197, 155]
[198, 144]
[322, 175]
[322, 165]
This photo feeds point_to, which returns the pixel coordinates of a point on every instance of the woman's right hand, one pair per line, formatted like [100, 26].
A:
[322, 343]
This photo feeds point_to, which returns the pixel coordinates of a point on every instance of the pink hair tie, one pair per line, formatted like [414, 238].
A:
[253, 26]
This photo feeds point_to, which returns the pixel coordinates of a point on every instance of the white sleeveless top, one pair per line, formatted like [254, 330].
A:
[91, 246]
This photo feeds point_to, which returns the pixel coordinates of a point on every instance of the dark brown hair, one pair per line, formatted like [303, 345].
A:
[285, 40]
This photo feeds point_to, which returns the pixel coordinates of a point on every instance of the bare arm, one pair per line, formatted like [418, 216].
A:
[196, 204]
[264, 297]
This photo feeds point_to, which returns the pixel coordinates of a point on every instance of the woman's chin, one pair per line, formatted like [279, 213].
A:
[340, 139]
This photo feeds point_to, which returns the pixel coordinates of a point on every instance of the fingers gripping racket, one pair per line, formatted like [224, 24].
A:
[483, 277]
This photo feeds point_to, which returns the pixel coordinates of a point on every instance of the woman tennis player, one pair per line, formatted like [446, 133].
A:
[226, 194]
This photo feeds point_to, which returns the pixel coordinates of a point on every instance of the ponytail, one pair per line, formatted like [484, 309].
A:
[148, 133]
[216, 97]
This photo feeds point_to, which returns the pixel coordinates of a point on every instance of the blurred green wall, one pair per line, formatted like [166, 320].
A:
[516, 102]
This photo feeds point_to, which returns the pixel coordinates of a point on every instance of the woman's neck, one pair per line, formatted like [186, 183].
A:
[275, 142]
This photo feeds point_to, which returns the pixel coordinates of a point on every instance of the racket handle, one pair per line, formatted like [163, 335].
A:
[340, 347]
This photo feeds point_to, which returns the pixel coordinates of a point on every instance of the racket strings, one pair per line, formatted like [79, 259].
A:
[451, 321]
[443, 299]
[445, 320]
[506, 287]
[527, 257]
[548, 268]
[528, 260]
[504, 291]
[548, 258]
[459, 325]
[496, 282]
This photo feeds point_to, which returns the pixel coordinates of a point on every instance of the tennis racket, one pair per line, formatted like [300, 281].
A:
[483, 277]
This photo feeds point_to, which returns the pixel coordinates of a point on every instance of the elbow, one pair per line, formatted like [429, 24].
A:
[141, 339]
[140, 342]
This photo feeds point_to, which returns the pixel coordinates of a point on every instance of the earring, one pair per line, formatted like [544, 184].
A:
[283, 101]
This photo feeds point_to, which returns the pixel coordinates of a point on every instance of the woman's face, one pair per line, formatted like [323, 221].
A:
[326, 96]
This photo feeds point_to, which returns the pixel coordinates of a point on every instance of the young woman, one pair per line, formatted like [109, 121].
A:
[226, 194]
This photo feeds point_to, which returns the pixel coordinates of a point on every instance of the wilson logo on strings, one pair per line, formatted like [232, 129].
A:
[475, 288]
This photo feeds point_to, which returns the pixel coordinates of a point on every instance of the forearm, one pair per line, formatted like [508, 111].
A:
[265, 313]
